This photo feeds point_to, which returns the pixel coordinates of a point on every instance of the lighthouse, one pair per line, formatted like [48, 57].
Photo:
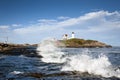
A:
[73, 35]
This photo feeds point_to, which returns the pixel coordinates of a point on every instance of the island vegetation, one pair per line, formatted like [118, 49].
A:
[82, 43]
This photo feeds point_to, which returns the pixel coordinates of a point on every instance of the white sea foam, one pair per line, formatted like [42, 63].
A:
[80, 62]
[13, 74]
[49, 51]
[17, 72]
[85, 63]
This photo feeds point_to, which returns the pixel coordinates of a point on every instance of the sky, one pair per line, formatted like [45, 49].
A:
[30, 21]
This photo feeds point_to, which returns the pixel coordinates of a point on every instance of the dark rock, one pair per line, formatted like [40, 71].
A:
[36, 75]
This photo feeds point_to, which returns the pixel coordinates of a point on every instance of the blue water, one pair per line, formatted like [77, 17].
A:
[21, 67]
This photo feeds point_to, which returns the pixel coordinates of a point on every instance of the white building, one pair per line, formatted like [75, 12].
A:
[65, 36]
[73, 35]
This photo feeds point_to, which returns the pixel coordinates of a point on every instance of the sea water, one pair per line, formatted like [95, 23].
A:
[62, 64]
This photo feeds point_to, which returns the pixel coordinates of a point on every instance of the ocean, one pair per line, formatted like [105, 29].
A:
[62, 64]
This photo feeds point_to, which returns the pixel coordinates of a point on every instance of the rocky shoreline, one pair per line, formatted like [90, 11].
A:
[25, 49]
[18, 49]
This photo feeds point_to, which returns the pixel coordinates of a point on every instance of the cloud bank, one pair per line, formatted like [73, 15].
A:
[101, 25]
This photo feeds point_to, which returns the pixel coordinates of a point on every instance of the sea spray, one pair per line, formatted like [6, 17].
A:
[51, 54]
[82, 62]
[85, 62]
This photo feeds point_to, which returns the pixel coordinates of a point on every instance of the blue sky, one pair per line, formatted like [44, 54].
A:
[30, 21]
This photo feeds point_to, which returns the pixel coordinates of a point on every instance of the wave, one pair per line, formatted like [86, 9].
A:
[82, 62]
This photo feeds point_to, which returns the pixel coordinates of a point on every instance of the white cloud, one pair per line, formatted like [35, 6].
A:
[90, 25]
[16, 25]
[63, 18]
[4, 27]
[47, 21]
[4, 32]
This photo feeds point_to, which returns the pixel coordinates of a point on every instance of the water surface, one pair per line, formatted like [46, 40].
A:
[63, 64]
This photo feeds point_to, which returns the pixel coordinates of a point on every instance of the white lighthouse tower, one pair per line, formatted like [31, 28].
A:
[73, 35]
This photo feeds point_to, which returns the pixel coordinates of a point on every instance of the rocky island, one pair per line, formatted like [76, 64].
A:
[82, 43]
